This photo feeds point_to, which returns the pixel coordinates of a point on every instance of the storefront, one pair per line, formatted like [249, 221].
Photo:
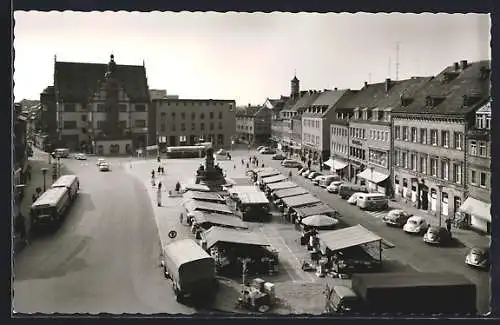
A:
[376, 180]
[338, 166]
[478, 212]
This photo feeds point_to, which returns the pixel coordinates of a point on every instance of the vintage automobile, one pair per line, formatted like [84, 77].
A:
[354, 198]
[313, 175]
[396, 218]
[278, 156]
[334, 186]
[289, 163]
[267, 151]
[437, 236]
[478, 257]
[415, 225]
[80, 156]
[104, 167]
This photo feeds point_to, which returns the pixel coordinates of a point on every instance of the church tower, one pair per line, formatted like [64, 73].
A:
[112, 93]
[295, 87]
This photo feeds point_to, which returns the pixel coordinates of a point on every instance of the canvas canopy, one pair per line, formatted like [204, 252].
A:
[281, 185]
[218, 219]
[274, 179]
[348, 237]
[320, 208]
[280, 194]
[300, 200]
[226, 235]
[203, 196]
[193, 205]
[253, 198]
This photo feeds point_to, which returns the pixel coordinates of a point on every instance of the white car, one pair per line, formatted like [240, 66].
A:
[104, 167]
[313, 175]
[80, 156]
[289, 163]
[354, 198]
[259, 148]
[334, 186]
[100, 161]
[316, 180]
[415, 225]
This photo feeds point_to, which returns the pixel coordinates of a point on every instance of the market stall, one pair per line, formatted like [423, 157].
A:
[319, 208]
[262, 175]
[279, 186]
[253, 205]
[230, 247]
[202, 221]
[290, 203]
[204, 196]
[193, 205]
[279, 195]
[271, 180]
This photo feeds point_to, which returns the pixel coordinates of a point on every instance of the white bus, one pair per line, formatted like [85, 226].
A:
[186, 152]
[50, 208]
[71, 182]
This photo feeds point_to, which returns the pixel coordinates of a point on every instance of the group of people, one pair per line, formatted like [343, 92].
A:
[251, 160]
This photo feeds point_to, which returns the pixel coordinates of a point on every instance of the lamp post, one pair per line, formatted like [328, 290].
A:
[440, 190]
[44, 172]
[371, 178]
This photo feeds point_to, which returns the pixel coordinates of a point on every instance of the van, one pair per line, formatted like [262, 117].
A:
[326, 180]
[346, 190]
[372, 201]
[62, 153]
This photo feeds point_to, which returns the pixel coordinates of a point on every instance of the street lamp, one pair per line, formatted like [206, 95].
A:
[440, 190]
[44, 172]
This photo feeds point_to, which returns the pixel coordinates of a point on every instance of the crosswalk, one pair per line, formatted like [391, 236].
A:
[377, 214]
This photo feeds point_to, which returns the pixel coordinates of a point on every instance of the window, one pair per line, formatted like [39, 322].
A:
[458, 140]
[183, 126]
[122, 107]
[69, 125]
[413, 135]
[482, 181]
[140, 107]
[445, 139]
[69, 107]
[378, 157]
[482, 149]
[193, 126]
[182, 138]
[405, 133]
[397, 158]
[397, 132]
[473, 177]
[413, 161]
[211, 115]
[202, 126]
[434, 167]
[457, 173]
[211, 126]
[140, 123]
[434, 137]
[173, 127]
[445, 169]
[220, 126]
[84, 118]
[473, 148]
[173, 115]
[101, 125]
[487, 123]
[220, 115]
[404, 158]
[101, 108]
[183, 115]
[480, 121]
[123, 124]
[162, 127]
[423, 136]
[193, 116]
[423, 164]
[386, 136]
[202, 116]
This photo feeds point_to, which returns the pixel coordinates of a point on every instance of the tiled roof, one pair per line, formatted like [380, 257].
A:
[326, 99]
[306, 100]
[450, 94]
[248, 111]
[76, 82]
[409, 87]
[365, 97]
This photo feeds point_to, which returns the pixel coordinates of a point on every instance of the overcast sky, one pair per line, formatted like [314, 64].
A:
[246, 57]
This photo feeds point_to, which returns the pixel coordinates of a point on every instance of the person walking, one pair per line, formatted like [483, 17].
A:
[159, 170]
[242, 162]
[448, 225]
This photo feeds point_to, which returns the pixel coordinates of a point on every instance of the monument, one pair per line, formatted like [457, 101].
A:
[210, 175]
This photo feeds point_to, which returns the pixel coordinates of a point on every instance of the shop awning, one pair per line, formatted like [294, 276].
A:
[268, 174]
[348, 237]
[274, 179]
[476, 208]
[193, 205]
[300, 200]
[335, 164]
[281, 185]
[237, 190]
[373, 176]
[215, 235]
[203, 196]
[290, 192]
[329, 163]
[320, 208]
[253, 198]
[218, 219]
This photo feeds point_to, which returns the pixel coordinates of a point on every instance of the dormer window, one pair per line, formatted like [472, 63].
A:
[365, 114]
[356, 114]
[375, 116]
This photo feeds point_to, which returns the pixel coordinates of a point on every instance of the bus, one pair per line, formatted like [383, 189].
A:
[186, 152]
[50, 208]
[71, 182]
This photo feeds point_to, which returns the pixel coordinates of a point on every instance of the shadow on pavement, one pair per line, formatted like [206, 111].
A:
[393, 266]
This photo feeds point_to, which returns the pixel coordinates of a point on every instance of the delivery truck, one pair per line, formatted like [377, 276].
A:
[404, 294]
[191, 270]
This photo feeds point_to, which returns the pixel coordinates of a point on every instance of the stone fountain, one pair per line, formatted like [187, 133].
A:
[210, 174]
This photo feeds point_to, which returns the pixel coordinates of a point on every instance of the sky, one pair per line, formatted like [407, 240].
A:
[247, 57]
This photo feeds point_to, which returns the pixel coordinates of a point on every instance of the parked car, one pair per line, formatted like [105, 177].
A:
[307, 172]
[334, 186]
[478, 257]
[267, 151]
[437, 236]
[313, 175]
[415, 225]
[347, 190]
[396, 218]
[278, 156]
[302, 170]
[104, 167]
[80, 156]
[354, 198]
[289, 163]
[317, 179]
[372, 201]
[100, 161]
[259, 148]
[325, 181]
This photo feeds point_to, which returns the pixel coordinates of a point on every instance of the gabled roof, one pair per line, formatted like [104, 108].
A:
[308, 97]
[450, 93]
[248, 111]
[326, 99]
[408, 87]
[76, 82]
[365, 97]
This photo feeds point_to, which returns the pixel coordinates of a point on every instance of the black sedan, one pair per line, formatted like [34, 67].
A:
[396, 218]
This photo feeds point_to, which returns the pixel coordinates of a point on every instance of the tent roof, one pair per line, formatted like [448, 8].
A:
[348, 237]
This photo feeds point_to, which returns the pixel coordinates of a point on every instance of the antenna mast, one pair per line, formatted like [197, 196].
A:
[397, 60]
[389, 67]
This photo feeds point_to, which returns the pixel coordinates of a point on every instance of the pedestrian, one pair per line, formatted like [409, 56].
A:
[242, 162]
[159, 170]
[248, 166]
[158, 159]
[229, 156]
[153, 173]
[181, 218]
[159, 185]
[290, 175]
[257, 161]
[262, 165]
[448, 225]
[163, 170]
[234, 166]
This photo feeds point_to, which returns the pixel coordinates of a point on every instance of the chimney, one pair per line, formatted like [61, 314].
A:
[249, 105]
[456, 66]
[463, 64]
[366, 83]
[387, 84]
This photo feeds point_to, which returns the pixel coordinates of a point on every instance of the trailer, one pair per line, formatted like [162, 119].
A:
[411, 293]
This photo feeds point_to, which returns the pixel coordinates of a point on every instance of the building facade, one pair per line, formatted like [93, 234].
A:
[185, 122]
[98, 108]
[430, 152]
[316, 120]
[476, 207]
[253, 124]
[281, 123]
